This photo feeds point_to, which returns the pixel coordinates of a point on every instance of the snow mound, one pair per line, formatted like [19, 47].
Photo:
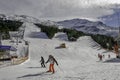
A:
[87, 41]
[84, 38]
[61, 36]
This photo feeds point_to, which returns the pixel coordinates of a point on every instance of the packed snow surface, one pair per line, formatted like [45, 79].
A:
[78, 61]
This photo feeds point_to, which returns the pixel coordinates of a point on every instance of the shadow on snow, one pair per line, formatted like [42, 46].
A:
[113, 60]
[33, 75]
[38, 35]
[34, 67]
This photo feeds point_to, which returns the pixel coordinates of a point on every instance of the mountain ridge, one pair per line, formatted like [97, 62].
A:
[87, 26]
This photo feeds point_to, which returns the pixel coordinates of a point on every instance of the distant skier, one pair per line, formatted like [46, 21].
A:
[109, 56]
[100, 57]
[42, 62]
[52, 60]
[116, 49]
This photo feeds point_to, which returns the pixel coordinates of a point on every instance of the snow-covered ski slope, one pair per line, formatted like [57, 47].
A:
[78, 61]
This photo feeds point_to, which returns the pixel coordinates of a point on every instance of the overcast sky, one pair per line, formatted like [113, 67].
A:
[60, 9]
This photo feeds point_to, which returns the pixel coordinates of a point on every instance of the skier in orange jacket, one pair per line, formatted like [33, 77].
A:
[52, 60]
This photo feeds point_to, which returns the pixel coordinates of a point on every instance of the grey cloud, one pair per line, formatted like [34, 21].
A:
[11, 6]
[55, 9]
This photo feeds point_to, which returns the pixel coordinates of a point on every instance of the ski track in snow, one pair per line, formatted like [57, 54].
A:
[76, 62]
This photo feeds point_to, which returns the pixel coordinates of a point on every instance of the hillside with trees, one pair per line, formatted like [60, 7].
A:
[105, 41]
[8, 25]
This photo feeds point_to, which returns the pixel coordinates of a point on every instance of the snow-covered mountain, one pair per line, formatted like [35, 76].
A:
[89, 26]
[25, 18]
[49, 23]
[78, 24]
[22, 18]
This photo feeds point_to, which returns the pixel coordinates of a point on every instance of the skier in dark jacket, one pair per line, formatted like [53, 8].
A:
[42, 62]
[100, 56]
[52, 60]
